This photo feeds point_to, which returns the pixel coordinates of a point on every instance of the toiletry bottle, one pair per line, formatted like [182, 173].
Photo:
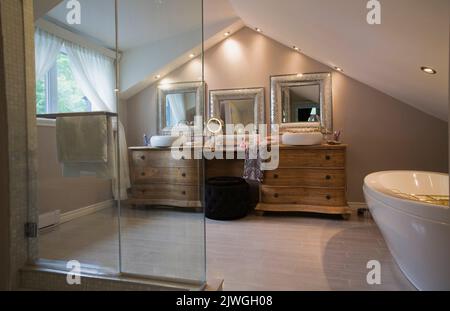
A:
[146, 140]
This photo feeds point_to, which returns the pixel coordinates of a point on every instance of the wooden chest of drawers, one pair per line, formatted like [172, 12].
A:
[159, 179]
[308, 179]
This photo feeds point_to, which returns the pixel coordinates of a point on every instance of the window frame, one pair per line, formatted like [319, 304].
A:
[51, 89]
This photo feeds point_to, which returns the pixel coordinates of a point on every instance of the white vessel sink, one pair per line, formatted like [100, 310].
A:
[302, 139]
[163, 141]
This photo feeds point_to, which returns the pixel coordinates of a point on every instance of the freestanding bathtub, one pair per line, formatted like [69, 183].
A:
[411, 210]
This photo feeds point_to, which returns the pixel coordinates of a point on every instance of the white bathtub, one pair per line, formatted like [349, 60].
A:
[417, 233]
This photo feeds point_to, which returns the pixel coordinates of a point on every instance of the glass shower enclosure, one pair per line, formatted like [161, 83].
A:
[100, 66]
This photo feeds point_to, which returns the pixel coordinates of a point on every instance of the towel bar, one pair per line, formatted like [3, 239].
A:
[76, 114]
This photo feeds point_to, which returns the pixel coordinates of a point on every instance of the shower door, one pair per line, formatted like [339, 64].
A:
[106, 60]
[162, 226]
[78, 207]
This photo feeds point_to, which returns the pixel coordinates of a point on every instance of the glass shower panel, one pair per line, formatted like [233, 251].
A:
[161, 88]
[76, 128]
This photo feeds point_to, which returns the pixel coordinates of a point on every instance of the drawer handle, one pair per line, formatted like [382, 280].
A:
[143, 174]
[142, 157]
[275, 176]
[183, 192]
[184, 174]
[328, 197]
[328, 177]
[276, 195]
[143, 191]
[328, 158]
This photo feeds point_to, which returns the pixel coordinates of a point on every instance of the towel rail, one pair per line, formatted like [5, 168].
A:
[76, 114]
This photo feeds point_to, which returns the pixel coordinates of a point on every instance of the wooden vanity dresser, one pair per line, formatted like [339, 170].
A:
[308, 179]
[159, 179]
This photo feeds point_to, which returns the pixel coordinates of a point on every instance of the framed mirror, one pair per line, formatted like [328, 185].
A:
[302, 101]
[179, 103]
[238, 106]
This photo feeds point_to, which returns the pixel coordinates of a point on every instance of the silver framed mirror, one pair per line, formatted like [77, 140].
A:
[300, 101]
[238, 106]
[179, 103]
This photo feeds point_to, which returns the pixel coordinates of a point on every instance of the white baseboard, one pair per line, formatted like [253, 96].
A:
[357, 205]
[49, 219]
[84, 211]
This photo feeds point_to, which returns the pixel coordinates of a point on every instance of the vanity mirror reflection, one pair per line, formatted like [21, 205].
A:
[301, 101]
[179, 103]
[238, 106]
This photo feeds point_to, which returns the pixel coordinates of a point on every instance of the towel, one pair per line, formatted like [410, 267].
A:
[120, 189]
[252, 165]
[85, 146]
[82, 139]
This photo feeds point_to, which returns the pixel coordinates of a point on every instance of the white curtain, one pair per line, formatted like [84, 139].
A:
[177, 108]
[95, 75]
[47, 48]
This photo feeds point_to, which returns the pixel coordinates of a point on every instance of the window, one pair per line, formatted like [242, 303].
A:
[58, 92]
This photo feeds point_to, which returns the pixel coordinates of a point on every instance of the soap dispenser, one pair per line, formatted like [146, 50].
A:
[146, 140]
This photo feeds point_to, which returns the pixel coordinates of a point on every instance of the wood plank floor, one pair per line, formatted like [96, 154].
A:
[270, 252]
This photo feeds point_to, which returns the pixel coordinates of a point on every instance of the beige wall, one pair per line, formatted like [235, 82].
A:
[382, 132]
[141, 116]
[66, 194]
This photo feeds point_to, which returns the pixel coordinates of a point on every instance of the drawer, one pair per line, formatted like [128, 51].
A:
[303, 195]
[312, 158]
[305, 177]
[168, 175]
[159, 158]
[166, 191]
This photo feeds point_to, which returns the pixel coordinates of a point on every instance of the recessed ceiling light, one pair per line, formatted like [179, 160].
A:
[192, 55]
[227, 34]
[338, 68]
[258, 29]
[296, 48]
[428, 70]
[157, 77]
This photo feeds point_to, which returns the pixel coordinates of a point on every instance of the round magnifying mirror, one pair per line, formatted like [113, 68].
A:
[214, 125]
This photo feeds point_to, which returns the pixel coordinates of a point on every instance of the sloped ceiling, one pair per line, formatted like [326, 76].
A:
[388, 57]
[140, 22]
[41, 7]
[154, 36]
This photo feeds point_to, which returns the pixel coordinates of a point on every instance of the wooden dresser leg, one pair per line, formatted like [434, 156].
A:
[259, 213]
[346, 216]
